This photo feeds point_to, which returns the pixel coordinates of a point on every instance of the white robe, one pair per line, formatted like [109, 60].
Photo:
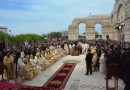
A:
[70, 49]
[34, 62]
[39, 62]
[66, 48]
[102, 61]
[86, 47]
[23, 70]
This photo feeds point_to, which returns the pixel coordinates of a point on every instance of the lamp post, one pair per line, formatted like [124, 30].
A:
[5, 32]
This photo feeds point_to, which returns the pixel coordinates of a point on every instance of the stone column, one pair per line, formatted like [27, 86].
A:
[73, 33]
[106, 31]
[111, 33]
[90, 33]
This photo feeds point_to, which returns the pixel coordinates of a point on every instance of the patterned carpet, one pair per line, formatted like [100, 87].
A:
[56, 82]
[60, 78]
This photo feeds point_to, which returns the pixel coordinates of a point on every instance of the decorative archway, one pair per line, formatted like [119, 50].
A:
[90, 29]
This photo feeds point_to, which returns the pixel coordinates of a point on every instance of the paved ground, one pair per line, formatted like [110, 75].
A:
[78, 80]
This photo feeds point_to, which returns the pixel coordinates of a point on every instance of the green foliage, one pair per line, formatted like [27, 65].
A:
[97, 35]
[21, 38]
[11, 40]
[1, 36]
[54, 34]
[27, 37]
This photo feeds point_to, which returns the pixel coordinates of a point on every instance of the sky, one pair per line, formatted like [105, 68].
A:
[45, 16]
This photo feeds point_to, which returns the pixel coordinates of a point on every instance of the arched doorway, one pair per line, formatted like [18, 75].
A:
[82, 31]
[98, 31]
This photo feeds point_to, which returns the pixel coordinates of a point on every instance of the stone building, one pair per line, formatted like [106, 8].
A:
[116, 25]
[120, 20]
[90, 23]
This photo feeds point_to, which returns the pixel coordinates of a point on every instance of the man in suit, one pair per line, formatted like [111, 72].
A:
[88, 59]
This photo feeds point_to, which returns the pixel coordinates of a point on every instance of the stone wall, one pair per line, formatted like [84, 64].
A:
[120, 16]
[90, 23]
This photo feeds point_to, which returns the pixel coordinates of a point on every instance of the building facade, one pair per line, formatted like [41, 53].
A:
[116, 25]
[120, 17]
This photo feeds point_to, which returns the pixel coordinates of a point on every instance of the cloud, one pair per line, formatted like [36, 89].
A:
[44, 16]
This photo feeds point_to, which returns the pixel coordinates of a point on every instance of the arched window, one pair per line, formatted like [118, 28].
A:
[120, 14]
[98, 31]
[82, 30]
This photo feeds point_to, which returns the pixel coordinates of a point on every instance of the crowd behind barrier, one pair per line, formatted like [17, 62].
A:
[28, 60]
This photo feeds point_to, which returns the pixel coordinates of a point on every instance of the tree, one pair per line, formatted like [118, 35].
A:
[1, 36]
[44, 36]
[4, 37]
[96, 34]
[54, 35]
[21, 38]
[27, 37]
[12, 40]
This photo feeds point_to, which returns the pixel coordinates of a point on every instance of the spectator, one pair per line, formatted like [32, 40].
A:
[88, 59]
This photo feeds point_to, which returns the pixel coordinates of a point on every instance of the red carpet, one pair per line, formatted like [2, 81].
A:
[4, 85]
[12, 86]
[75, 54]
[56, 82]
[60, 78]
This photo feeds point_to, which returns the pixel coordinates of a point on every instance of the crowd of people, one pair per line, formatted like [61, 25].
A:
[28, 60]
[103, 53]
[20, 62]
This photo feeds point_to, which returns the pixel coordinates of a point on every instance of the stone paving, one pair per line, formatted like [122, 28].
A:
[78, 80]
